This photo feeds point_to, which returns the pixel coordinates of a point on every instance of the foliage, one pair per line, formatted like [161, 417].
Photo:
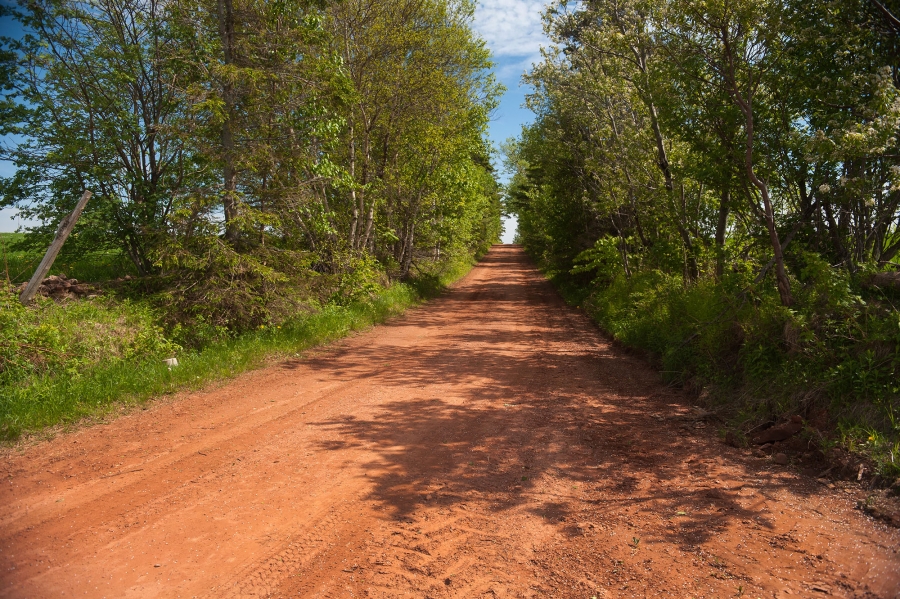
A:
[251, 158]
[66, 339]
[65, 362]
[419, 183]
[717, 181]
[268, 169]
[87, 104]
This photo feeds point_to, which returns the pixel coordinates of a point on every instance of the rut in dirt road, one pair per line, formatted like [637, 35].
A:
[489, 444]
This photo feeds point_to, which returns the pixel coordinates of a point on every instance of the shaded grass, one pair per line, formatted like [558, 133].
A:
[832, 358]
[49, 400]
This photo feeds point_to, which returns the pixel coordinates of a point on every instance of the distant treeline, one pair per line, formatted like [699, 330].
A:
[722, 179]
[239, 148]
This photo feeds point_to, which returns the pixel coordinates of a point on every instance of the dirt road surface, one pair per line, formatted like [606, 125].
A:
[491, 443]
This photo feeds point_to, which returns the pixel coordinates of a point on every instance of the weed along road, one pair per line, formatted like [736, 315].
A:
[489, 443]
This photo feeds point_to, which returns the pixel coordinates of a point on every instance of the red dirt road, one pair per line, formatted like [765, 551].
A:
[490, 443]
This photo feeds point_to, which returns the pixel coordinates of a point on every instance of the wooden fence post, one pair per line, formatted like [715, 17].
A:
[62, 233]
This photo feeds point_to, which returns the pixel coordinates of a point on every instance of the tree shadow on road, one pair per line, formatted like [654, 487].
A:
[527, 391]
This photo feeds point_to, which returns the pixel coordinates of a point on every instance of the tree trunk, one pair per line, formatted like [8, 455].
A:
[693, 270]
[368, 238]
[746, 108]
[229, 173]
[784, 285]
[408, 251]
[623, 246]
[721, 226]
[662, 157]
[354, 220]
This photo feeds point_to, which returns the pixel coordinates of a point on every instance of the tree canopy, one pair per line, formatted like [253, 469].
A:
[249, 143]
[722, 178]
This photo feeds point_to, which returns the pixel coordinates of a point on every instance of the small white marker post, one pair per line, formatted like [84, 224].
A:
[62, 233]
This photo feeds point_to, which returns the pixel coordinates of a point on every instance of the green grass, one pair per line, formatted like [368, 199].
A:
[841, 360]
[56, 398]
[19, 265]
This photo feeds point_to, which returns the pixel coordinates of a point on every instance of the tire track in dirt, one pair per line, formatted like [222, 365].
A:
[489, 444]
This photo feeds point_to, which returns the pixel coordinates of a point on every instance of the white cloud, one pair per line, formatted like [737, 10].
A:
[512, 68]
[511, 28]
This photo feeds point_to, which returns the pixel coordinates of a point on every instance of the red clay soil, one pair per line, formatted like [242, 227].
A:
[489, 444]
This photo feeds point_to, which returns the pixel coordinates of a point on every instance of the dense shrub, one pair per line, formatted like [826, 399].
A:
[71, 337]
[725, 176]
[834, 354]
[65, 361]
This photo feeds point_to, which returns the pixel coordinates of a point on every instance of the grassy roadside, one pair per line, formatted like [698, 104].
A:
[44, 400]
[831, 359]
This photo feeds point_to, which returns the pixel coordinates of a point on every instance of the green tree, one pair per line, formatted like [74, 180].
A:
[415, 125]
[87, 104]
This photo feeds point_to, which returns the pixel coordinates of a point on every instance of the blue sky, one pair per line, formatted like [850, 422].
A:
[512, 30]
[8, 222]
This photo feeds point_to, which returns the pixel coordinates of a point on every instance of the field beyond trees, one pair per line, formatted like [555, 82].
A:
[718, 183]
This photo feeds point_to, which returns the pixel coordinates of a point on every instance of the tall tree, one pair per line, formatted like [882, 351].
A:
[423, 92]
[88, 104]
